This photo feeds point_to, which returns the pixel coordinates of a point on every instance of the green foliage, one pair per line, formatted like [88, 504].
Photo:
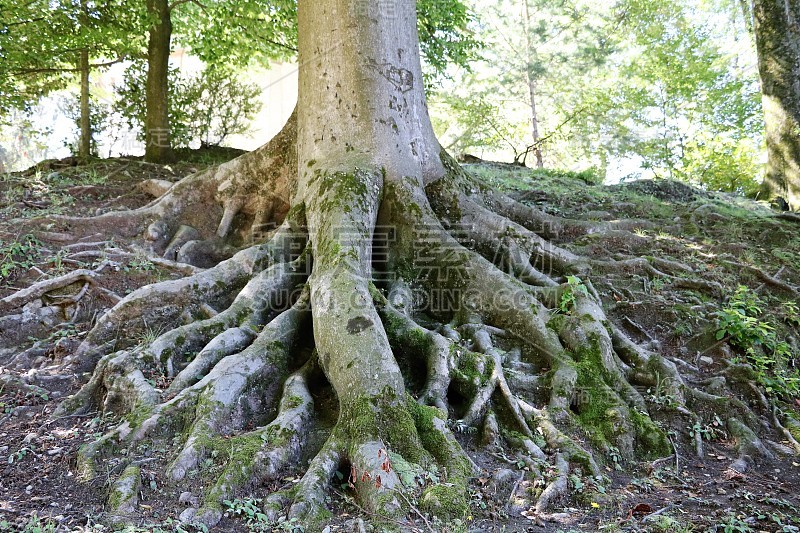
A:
[33, 525]
[206, 108]
[740, 323]
[733, 524]
[249, 510]
[100, 116]
[19, 255]
[708, 432]
[569, 296]
[446, 36]
[23, 141]
[240, 33]
[646, 82]
[474, 121]
[590, 176]
[40, 42]
[558, 48]
[791, 313]
[690, 108]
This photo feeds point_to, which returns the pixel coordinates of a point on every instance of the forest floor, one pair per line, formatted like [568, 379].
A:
[736, 240]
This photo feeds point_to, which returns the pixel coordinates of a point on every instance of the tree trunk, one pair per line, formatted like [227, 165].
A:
[777, 29]
[537, 150]
[85, 146]
[395, 284]
[158, 144]
[747, 15]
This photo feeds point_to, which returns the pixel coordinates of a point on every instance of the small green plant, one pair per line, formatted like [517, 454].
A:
[576, 483]
[148, 336]
[733, 524]
[658, 284]
[740, 323]
[33, 525]
[249, 509]
[669, 524]
[19, 454]
[93, 177]
[707, 432]
[659, 396]
[140, 263]
[18, 255]
[569, 297]
[791, 313]
[616, 457]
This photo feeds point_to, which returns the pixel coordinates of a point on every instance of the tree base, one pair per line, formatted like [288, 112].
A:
[474, 321]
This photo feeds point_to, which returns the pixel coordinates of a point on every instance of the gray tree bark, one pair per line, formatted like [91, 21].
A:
[361, 155]
[362, 124]
[777, 30]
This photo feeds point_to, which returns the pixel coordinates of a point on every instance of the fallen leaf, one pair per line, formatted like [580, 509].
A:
[641, 509]
[731, 474]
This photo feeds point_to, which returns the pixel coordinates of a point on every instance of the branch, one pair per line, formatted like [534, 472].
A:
[176, 3]
[542, 140]
[25, 72]
[23, 22]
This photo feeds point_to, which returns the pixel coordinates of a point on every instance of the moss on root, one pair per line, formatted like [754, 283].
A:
[446, 500]
[384, 418]
[606, 418]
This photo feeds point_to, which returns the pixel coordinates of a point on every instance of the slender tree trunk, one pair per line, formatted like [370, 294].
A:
[158, 142]
[777, 29]
[85, 146]
[747, 15]
[537, 150]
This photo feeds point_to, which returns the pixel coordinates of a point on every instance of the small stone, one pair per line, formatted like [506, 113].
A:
[28, 489]
[706, 361]
[54, 451]
[29, 437]
[721, 491]
[187, 498]
[505, 475]
[187, 516]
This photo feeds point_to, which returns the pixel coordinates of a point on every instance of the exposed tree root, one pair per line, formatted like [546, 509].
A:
[208, 216]
[459, 314]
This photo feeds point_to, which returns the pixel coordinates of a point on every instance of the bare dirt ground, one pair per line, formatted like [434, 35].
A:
[737, 240]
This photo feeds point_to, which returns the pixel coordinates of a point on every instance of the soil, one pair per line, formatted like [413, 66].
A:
[38, 480]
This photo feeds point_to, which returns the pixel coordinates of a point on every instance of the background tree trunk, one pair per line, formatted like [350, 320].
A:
[777, 29]
[537, 150]
[158, 143]
[85, 146]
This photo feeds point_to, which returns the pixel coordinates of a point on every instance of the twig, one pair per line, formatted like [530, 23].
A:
[677, 455]
[87, 415]
[413, 508]
[352, 502]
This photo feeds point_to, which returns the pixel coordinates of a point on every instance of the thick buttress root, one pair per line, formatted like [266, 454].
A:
[459, 323]
[208, 216]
